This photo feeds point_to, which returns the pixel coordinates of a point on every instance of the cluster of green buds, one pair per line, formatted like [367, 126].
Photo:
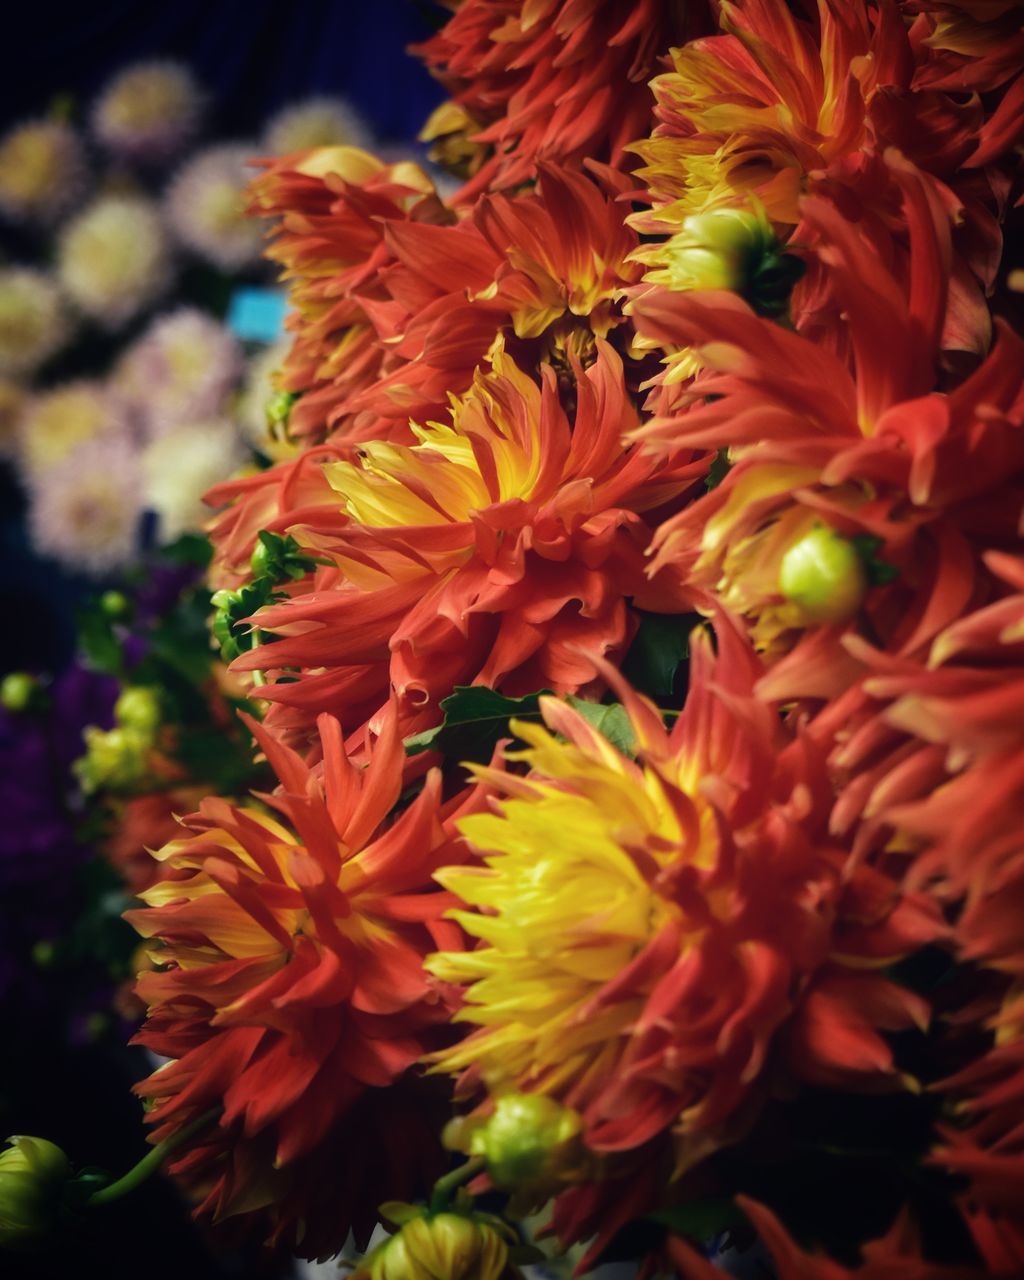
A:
[276, 559]
[827, 575]
[529, 1145]
[117, 759]
[732, 248]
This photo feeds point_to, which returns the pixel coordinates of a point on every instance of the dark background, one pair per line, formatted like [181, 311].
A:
[253, 56]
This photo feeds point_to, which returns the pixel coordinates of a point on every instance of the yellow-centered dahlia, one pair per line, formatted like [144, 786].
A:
[660, 937]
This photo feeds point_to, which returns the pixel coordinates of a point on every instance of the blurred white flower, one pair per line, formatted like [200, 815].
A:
[181, 465]
[315, 122]
[181, 370]
[148, 112]
[85, 511]
[43, 171]
[54, 423]
[206, 207]
[34, 322]
[113, 258]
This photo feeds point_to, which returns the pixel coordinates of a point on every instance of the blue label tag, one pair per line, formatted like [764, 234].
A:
[257, 315]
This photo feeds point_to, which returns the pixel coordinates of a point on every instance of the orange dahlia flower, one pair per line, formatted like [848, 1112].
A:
[781, 106]
[556, 80]
[290, 996]
[395, 311]
[662, 939]
[502, 549]
[930, 479]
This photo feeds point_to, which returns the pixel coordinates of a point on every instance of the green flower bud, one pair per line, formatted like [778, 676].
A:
[824, 576]
[33, 1176]
[115, 758]
[730, 248]
[528, 1141]
[114, 604]
[454, 1245]
[18, 690]
[138, 708]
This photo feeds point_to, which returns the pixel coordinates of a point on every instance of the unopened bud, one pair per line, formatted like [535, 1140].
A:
[454, 1245]
[823, 574]
[33, 1177]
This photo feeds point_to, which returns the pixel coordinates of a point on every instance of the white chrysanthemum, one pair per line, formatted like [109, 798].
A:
[181, 465]
[315, 122]
[113, 258]
[85, 511]
[257, 390]
[206, 207]
[43, 171]
[148, 112]
[34, 323]
[56, 422]
[180, 371]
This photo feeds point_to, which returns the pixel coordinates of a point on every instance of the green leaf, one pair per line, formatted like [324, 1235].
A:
[700, 1220]
[718, 470]
[475, 720]
[190, 548]
[609, 719]
[661, 645]
[97, 640]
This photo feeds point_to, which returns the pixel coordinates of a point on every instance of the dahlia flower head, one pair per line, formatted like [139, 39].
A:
[149, 112]
[206, 209]
[181, 370]
[290, 995]
[113, 259]
[665, 941]
[55, 422]
[557, 80]
[43, 171]
[397, 304]
[867, 448]
[924, 752]
[34, 320]
[85, 510]
[314, 122]
[500, 549]
[780, 105]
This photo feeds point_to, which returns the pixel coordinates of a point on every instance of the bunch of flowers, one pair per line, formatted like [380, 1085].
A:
[632, 618]
[141, 236]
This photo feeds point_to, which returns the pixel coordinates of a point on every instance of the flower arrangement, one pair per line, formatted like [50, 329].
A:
[630, 616]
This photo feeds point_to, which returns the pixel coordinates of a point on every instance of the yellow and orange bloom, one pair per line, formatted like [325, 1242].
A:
[501, 549]
[661, 938]
[555, 80]
[289, 992]
[869, 450]
[779, 106]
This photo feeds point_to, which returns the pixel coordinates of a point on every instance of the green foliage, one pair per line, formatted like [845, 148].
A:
[281, 559]
[609, 719]
[475, 720]
[700, 1220]
[660, 647]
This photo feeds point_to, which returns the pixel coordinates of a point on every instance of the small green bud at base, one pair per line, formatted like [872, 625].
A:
[824, 576]
[279, 406]
[527, 1141]
[33, 1177]
[18, 690]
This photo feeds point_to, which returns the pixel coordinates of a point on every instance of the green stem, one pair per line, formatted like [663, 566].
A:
[444, 1187]
[150, 1162]
[258, 678]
